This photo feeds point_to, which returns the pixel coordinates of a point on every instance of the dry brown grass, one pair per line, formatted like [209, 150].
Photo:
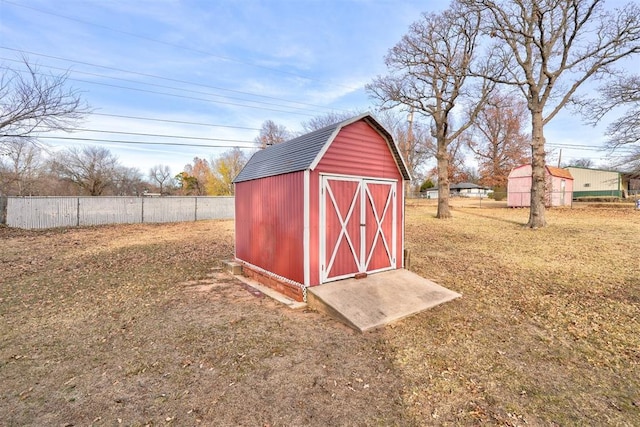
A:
[547, 329]
[130, 325]
[134, 325]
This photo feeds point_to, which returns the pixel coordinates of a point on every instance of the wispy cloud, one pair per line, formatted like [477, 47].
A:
[235, 63]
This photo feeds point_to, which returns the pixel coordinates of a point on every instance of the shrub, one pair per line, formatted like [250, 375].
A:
[426, 185]
[499, 193]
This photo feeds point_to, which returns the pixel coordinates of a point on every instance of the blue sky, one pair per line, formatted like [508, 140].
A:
[228, 64]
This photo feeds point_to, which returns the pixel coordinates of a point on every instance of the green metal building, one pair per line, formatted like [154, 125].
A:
[595, 182]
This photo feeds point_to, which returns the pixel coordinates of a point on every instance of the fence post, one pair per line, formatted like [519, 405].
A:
[195, 211]
[142, 210]
[3, 209]
[78, 213]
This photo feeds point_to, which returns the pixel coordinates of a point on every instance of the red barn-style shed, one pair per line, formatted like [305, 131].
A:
[321, 207]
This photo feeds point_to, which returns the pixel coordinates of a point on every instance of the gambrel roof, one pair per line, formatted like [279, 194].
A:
[525, 170]
[304, 152]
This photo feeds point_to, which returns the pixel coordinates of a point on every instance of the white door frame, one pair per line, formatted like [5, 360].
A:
[379, 219]
[362, 192]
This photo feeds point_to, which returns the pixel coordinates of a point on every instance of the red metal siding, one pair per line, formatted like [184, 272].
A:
[269, 224]
[358, 150]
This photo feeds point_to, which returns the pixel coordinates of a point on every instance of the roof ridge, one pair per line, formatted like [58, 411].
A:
[301, 153]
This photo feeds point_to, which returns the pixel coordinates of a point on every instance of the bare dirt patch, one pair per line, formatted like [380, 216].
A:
[136, 325]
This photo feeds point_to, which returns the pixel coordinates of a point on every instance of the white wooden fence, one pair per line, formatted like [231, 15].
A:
[49, 212]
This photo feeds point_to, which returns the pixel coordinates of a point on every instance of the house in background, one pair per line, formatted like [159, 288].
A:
[559, 191]
[429, 193]
[464, 189]
[596, 182]
[469, 189]
[631, 184]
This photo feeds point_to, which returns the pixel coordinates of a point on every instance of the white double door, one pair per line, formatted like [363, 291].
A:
[358, 226]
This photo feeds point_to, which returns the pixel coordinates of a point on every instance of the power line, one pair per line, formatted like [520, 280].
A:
[225, 58]
[172, 121]
[587, 147]
[575, 146]
[163, 78]
[198, 138]
[183, 96]
[150, 84]
[192, 97]
[117, 141]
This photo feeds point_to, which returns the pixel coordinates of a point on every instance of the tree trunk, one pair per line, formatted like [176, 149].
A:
[443, 180]
[538, 179]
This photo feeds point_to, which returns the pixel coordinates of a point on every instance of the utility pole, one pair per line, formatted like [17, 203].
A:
[559, 157]
[407, 144]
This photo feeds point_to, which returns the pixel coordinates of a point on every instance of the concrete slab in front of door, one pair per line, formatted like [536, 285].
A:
[379, 299]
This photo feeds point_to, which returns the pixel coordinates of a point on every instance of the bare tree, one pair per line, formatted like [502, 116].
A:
[624, 132]
[49, 182]
[549, 48]
[161, 175]
[272, 133]
[457, 170]
[327, 119]
[128, 182]
[498, 140]
[32, 102]
[19, 167]
[92, 169]
[430, 72]
[413, 139]
[582, 163]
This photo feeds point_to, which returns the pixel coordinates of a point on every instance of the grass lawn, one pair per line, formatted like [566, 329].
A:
[136, 325]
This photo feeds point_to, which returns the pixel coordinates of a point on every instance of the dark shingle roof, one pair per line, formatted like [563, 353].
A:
[289, 156]
[465, 186]
[299, 154]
